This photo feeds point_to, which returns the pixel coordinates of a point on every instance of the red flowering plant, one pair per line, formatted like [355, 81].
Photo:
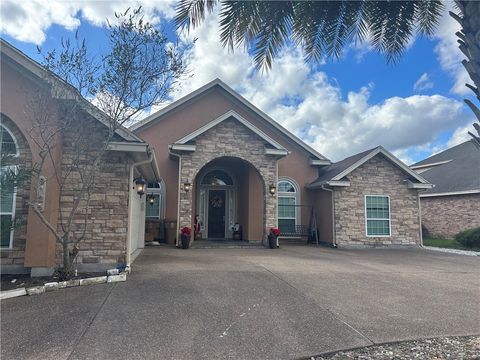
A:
[275, 231]
[185, 231]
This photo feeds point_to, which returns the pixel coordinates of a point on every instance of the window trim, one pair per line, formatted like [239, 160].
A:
[160, 191]
[17, 150]
[389, 216]
[12, 213]
[295, 195]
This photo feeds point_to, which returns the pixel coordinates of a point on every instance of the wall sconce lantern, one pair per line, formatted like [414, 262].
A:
[151, 199]
[140, 185]
[272, 189]
[187, 186]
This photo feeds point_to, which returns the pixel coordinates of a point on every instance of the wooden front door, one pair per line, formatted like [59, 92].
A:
[216, 214]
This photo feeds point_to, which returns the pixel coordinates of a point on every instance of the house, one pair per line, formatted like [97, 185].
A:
[115, 222]
[453, 205]
[227, 162]
[211, 156]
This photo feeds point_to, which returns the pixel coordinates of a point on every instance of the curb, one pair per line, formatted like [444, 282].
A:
[53, 286]
[452, 251]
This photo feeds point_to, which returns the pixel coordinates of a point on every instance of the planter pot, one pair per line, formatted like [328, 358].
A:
[185, 241]
[272, 241]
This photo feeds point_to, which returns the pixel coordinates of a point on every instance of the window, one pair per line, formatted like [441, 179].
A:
[377, 210]
[287, 206]
[217, 178]
[155, 209]
[8, 146]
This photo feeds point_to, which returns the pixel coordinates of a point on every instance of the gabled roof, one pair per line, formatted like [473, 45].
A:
[334, 175]
[218, 83]
[228, 115]
[453, 171]
[68, 92]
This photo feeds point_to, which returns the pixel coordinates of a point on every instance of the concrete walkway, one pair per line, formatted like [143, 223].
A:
[293, 302]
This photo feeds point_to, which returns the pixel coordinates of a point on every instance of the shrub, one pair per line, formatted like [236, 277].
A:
[425, 232]
[469, 238]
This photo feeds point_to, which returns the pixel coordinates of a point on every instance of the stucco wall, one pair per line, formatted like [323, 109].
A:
[193, 115]
[378, 176]
[445, 216]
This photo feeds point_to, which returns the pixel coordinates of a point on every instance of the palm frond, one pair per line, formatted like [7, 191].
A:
[190, 13]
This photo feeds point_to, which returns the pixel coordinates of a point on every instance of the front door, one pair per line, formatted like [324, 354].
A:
[216, 214]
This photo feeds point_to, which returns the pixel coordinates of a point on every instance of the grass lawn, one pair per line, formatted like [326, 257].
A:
[446, 243]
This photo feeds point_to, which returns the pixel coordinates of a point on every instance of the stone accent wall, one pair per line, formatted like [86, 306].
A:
[445, 216]
[104, 222]
[229, 138]
[378, 176]
[15, 255]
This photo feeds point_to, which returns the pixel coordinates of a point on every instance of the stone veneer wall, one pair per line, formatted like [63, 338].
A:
[445, 216]
[378, 176]
[14, 257]
[229, 138]
[105, 239]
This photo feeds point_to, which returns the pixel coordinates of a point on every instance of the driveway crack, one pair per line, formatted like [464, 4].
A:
[89, 324]
[335, 315]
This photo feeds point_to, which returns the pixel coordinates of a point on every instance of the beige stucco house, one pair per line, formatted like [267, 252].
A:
[223, 159]
[213, 157]
[115, 222]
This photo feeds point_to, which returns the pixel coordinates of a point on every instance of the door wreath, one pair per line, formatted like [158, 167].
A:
[216, 201]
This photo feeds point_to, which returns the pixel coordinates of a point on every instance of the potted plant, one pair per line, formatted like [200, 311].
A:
[272, 237]
[185, 237]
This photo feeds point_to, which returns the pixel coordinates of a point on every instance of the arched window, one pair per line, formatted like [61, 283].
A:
[8, 149]
[288, 205]
[217, 178]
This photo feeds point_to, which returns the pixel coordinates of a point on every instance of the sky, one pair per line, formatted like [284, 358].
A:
[340, 107]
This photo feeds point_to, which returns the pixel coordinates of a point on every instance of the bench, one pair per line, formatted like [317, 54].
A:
[297, 231]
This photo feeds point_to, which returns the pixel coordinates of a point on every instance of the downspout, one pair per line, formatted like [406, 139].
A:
[178, 193]
[420, 216]
[333, 214]
[130, 210]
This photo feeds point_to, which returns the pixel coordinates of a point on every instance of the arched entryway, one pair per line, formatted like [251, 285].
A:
[229, 195]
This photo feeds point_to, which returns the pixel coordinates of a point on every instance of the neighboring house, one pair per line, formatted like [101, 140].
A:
[223, 159]
[116, 219]
[453, 205]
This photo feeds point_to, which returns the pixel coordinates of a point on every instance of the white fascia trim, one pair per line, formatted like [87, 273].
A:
[415, 167]
[127, 147]
[224, 117]
[389, 156]
[338, 183]
[237, 97]
[183, 147]
[63, 89]
[317, 162]
[466, 192]
[276, 152]
[412, 185]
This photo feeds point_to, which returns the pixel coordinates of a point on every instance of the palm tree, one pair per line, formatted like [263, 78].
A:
[323, 28]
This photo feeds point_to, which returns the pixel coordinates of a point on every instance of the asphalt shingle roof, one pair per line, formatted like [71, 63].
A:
[460, 173]
[330, 171]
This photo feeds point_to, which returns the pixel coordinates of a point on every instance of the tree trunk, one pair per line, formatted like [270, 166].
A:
[469, 40]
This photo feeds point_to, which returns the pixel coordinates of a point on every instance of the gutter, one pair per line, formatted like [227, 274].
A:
[130, 211]
[178, 193]
[333, 214]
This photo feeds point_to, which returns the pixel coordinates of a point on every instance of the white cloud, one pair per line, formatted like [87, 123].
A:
[311, 105]
[448, 53]
[29, 20]
[461, 135]
[423, 83]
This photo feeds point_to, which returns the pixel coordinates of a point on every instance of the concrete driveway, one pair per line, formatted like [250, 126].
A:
[293, 302]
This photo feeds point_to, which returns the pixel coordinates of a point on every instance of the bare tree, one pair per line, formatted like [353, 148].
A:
[137, 72]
